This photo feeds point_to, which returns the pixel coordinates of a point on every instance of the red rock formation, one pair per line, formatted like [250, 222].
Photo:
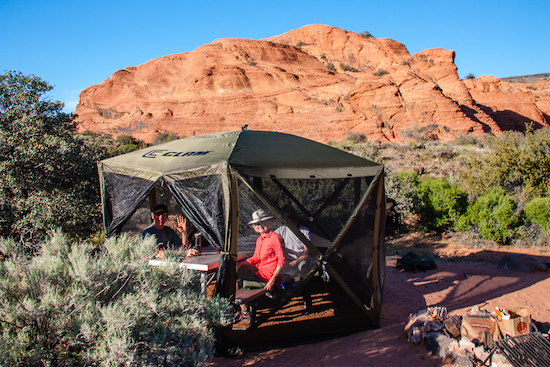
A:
[317, 82]
[512, 104]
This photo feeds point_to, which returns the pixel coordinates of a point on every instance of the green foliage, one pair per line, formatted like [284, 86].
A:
[109, 147]
[73, 305]
[467, 140]
[517, 163]
[347, 67]
[330, 66]
[514, 161]
[402, 187]
[48, 177]
[537, 212]
[470, 76]
[493, 214]
[366, 34]
[441, 203]
[164, 138]
[357, 144]
[127, 144]
[418, 133]
[380, 72]
[356, 137]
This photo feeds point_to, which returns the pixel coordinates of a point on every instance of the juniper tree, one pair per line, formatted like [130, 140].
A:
[48, 177]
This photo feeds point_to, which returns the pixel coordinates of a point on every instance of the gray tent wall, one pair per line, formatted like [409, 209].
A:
[204, 173]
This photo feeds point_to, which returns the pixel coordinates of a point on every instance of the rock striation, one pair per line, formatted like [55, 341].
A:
[318, 82]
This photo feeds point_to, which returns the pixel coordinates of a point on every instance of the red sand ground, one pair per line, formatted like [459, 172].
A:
[457, 285]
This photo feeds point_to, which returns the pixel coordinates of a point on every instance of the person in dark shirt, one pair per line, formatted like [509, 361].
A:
[166, 237]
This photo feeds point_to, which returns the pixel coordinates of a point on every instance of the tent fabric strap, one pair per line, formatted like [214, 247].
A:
[376, 294]
[300, 206]
[333, 196]
[227, 275]
[351, 219]
[195, 218]
[116, 224]
[312, 249]
[334, 274]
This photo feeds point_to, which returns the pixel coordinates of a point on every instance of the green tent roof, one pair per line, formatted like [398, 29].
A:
[255, 153]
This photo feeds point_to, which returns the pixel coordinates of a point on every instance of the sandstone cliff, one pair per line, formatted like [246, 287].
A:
[317, 82]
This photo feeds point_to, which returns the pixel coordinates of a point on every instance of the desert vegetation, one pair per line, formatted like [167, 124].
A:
[72, 297]
[366, 34]
[380, 72]
[492, 188]
[73, 304]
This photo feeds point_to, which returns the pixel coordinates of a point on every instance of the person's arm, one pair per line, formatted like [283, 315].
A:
[255, 258]
[305, 256]
[305, 231]
[280, 255]
[269, 285]
[181, 226]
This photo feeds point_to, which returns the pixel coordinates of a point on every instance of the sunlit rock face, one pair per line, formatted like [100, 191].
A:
[317, 82]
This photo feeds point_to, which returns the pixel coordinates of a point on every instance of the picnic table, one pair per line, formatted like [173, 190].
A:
[206, 263]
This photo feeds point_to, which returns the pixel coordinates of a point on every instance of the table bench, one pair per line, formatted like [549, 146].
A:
[249, 296]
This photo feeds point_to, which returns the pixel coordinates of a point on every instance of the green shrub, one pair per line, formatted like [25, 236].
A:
[331, 66]
[48, 175]
[515, 161]
[357, 144]
[537, 212]
[164, 138]
[470, 76]
[127, 144]
[366, 34]
[402, 187]
[493, 214]
[380, 72]
[441, 203]
[356, 137]
[466, 140]
[347, 67]
[73, 305]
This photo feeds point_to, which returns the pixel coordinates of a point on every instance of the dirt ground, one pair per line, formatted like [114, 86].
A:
[464, 278]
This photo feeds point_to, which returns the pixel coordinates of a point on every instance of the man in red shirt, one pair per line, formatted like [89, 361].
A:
[268, 260]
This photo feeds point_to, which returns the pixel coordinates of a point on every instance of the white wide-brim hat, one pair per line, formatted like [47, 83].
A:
[259, 216]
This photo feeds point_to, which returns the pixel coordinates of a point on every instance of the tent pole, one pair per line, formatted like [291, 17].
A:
[226, 283]
[351, 219]
[258, 183]
[357, 190]
[312, 249]
[152, 199]
[376, 244]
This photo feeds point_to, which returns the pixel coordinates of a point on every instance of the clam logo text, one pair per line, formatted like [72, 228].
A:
[166, 153]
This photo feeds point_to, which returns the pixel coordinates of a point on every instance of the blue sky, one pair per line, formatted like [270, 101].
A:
[78, 43]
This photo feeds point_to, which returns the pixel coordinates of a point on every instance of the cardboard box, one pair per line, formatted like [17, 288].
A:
[480, 329]
[518, 324]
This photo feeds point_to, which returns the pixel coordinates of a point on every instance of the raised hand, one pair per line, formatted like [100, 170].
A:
[181, 225]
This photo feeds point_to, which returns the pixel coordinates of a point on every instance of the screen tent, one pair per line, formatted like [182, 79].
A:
[218, 180]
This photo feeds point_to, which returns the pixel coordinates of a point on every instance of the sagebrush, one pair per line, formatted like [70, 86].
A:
[74, 304]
